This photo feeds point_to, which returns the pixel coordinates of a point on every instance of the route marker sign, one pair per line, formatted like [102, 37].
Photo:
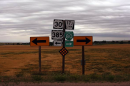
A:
[69, 44]
[69, 24]
[69, 35]
[57, 43]
[57, 24]
[63, 51]
[56, 34]
[39, 41]
[83, 40]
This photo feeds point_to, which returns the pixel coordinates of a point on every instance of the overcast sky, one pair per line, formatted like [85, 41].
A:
[102, 19]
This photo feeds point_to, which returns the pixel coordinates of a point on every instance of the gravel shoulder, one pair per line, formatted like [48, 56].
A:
[69, 84]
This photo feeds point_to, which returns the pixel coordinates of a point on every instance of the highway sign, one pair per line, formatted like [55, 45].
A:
[68, 43]
[69, 24]
[69, 35]
[83, 40]
[63, 51]
[57, 43]
[39, 41]
[58, 24]
[56, 34]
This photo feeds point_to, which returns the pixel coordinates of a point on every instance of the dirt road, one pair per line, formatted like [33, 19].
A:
[71, 84]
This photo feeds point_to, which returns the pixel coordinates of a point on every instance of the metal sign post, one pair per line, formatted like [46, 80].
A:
[39, 59]
[63, 59]
[83, 61]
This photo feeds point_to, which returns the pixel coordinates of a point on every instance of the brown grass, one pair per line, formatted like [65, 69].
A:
[99, 59]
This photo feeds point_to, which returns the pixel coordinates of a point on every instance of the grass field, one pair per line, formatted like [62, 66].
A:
[112, 61]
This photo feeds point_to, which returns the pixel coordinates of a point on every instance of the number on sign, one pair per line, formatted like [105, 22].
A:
[58, 24]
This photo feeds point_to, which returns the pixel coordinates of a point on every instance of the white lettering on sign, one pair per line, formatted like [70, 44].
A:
[68, 43]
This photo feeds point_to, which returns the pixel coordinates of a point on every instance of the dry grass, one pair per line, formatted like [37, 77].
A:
[100, 59]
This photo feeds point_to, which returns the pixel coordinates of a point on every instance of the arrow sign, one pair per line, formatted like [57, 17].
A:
[83, 40]
[57, 43]
[39, 41]
[35, 41]
[86, 40]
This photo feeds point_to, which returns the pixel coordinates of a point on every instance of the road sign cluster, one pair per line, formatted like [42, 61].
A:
[62, 37]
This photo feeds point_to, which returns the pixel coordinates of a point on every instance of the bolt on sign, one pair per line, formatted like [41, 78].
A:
[39, 41]
[83, 40]
[63, 51]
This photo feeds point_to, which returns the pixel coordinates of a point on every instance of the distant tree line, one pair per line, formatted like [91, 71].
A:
[111, 42]
[95, 43]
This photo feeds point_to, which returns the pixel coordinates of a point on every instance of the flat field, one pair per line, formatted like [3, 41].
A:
[100, 59]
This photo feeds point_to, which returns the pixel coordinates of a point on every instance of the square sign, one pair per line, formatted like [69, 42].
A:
[69, 44]
[69, 35]
[56, 34]
[69, 24]
[58, 24]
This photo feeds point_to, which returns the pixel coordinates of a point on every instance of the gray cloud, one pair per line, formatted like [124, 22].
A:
[99, 18]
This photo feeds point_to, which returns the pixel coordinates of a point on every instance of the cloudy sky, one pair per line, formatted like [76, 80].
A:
[102, 19]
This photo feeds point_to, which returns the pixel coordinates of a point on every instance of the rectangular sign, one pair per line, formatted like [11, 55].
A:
[39, 41]
[58, 24]
[57, 43]
[69, 24]
[56, 34]
[83, 40]
[68, 43]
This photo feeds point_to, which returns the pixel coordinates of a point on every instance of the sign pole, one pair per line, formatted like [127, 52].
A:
[39, 59]
[63, 59]
[83, 61]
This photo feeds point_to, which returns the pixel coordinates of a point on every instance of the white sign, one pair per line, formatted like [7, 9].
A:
[57, 43]
[56, 34]
[58, 24]
[69, 24]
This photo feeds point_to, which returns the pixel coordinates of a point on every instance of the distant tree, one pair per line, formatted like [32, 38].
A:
[104, 41]
[121, 42]
[113, 42]
[129, 42]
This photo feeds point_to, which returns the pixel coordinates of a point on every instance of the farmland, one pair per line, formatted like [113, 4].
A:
[100, 59]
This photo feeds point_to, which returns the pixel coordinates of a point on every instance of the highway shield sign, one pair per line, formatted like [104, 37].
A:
[69, 35]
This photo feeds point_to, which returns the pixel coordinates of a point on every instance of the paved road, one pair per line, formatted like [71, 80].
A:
[70, 84]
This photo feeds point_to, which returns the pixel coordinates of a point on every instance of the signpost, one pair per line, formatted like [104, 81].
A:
[83, 41]
[60, 34]
[39, 41]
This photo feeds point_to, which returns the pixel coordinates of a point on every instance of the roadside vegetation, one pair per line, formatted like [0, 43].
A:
[103, 63]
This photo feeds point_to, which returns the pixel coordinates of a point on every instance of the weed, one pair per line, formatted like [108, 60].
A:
[37, 78]
[60, 77]
[20, 74]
